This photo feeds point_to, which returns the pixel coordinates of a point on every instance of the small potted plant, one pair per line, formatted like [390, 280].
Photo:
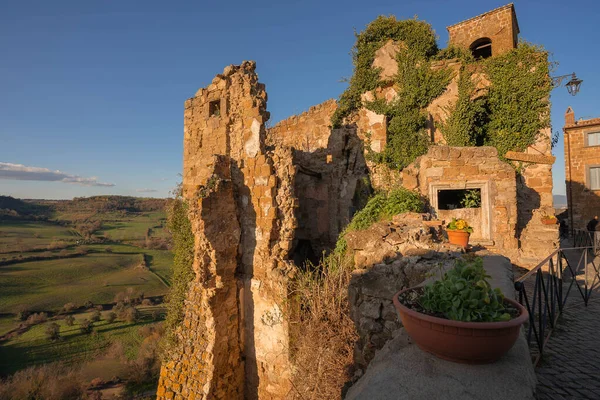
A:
[459, 232]
[549, 219]
[460, 317]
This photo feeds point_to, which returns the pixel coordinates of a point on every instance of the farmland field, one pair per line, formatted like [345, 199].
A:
[80, 253]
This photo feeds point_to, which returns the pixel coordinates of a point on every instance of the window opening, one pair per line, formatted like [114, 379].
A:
[462, 198]
[214, 108]
[593, 139]
[482, 48]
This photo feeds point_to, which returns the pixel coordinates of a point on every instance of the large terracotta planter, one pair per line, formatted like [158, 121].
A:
[463, 342]
[460, 238]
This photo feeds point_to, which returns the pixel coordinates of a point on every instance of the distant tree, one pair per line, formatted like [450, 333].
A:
[82, 250]
[37, 318]
[22, 312]
[88, 304]
[132, 314]
[110, 317]
[86, 326]
[95, 316]
[69, 320]
[69, 307]
[53, 331]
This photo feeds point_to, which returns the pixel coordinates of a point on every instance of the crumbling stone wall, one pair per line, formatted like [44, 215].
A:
[330, 165]
[307, 132]
[390, 256]
[233, 341]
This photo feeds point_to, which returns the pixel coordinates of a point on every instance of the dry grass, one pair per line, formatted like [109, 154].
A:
[323, 334]
[48, 382]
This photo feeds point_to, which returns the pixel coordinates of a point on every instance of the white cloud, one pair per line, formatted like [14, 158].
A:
[146, 190]
[22, 172]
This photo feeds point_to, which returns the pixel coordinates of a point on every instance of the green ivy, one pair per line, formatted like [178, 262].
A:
[518, 98]
[468, 117]
[418, 36]
[180, 227]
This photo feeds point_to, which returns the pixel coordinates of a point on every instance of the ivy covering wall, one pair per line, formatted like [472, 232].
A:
[183, 258]
[508, 115]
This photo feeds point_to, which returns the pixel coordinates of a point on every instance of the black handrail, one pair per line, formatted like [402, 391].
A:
[544, 291]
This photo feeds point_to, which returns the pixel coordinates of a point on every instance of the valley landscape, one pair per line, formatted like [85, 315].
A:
[83, 284]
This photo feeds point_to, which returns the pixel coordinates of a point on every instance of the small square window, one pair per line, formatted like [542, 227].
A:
[593, 139]
[214, 108]
[594, 178]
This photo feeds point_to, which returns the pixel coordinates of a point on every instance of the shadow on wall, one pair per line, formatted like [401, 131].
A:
[330, 187]
[247, 216]
[527, 200]
[583, 205]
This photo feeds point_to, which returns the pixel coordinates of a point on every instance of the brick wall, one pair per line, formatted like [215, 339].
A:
[584, 203]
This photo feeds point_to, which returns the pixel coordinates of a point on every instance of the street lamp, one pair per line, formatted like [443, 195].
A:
[572, 85]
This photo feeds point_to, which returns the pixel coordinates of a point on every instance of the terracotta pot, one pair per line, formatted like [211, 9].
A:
[549, 221]
[460, 238]
[462, 342]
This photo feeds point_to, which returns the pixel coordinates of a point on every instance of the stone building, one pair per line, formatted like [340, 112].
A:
[582, 168]
[264, 200]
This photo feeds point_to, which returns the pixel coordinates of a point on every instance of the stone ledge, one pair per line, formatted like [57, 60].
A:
[400, 370]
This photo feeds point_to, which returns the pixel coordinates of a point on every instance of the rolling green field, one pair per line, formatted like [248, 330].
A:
[22, 236]
[46, 264]
[131, 228]
[97, 276]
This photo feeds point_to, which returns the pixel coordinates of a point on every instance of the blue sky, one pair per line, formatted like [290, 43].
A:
[92, 92]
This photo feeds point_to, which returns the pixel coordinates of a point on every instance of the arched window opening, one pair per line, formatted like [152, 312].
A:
[482, 48]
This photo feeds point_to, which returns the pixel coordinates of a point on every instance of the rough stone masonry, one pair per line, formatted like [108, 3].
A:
[260, 198]
[245, 214]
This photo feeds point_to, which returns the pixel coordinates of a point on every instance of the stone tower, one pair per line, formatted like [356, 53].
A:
[492, 33]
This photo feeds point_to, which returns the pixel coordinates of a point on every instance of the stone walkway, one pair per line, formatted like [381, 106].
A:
[570, 368]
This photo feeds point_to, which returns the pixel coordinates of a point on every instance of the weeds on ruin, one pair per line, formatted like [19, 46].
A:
[180, 227]
[322, 332]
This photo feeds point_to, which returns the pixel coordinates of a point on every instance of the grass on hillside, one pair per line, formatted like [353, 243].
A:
[22, 236]
[49, 284]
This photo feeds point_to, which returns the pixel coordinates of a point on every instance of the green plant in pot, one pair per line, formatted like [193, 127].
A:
[460, 317]
[459, 232]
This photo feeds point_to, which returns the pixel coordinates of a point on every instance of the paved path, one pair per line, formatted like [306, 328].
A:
[570, 368]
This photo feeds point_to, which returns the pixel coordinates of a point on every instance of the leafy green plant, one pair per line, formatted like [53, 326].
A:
[467, 117]
[416, 35]
[183, 248]
[518, 98]
[459, 225]
[464, 294]
[383, 205]
[471, 199]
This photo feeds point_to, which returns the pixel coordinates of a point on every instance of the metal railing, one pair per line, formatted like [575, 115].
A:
[583, 238]
[545, 289]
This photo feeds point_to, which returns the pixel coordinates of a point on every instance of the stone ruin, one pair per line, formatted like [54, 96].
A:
[264, 200]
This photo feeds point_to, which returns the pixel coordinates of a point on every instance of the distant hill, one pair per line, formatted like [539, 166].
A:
[560, 201]
[11, 208]
[17, 208]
